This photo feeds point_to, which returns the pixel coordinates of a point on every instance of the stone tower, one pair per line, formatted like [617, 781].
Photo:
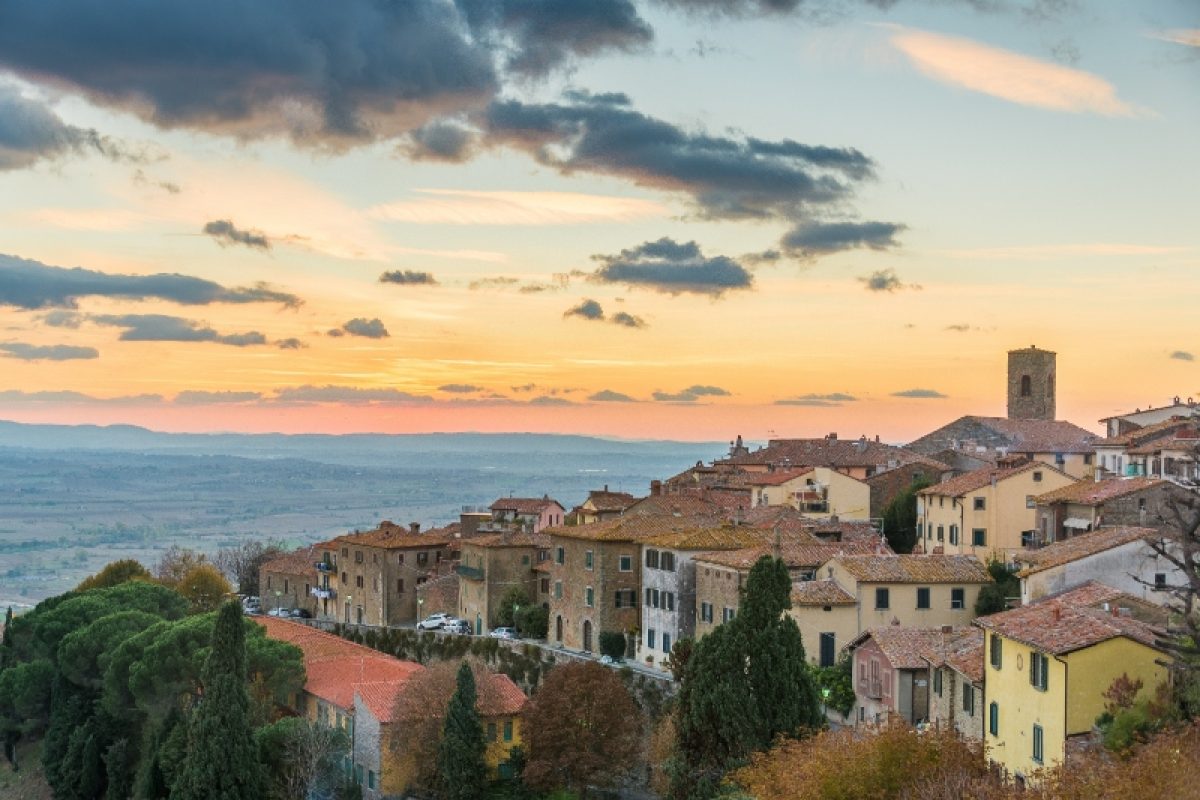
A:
[1031, 376]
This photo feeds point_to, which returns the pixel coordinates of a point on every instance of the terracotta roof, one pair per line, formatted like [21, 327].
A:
[977, 479]
[496, 696]
[1146, 432]
[915, 569]
[1182, 439]
[820, 593]
[827, 452]
[334, 667]
[524, 505]
[1093, 493]
[395, 537]
[961, 649]
[1021, 435]
[513, 539]
[610, 501]
[1081, 546]
[1074, 619]
[794, 554]
[1184, 408]
[739, 479]
[298, 562]
[902, 646]
[635, 528]
[683, 505]
[727, 537]
[380, 699]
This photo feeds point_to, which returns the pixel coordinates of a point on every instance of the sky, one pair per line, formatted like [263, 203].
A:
[684, 219]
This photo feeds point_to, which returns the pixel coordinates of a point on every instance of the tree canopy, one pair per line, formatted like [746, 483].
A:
[900, 517]
[461, 768]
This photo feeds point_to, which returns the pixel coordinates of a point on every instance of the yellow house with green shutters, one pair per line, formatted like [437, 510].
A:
[1048, 664]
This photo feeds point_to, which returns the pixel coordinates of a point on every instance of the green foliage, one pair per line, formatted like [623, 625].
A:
[745, 684]
[204, 587]
[533, 621]
[681, 654]
[900, 518]
[221, 762]
[115, 573]
[612, 644]
[993, 597]
[25, 697]
[461, 764]
[513, 600]
[838, 681]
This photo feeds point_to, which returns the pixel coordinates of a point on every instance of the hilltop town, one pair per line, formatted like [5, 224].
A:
[999, 580]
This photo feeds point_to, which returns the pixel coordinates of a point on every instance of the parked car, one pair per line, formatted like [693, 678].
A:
[459, 626]
[300, 613]
[503, 633]
[434, 621]
[279, 612]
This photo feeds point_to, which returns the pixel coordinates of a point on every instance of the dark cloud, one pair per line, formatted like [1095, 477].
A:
[361, 326]
[725, 178]
[537, 36]
[546, 400]
[920, 394]
[690, 394]
[818, 400]
[53, 352]
[75, 398]
[194, 397]
[960, 327]
[226, 233]
[163, 328]
[450, 141]
[460, 388]
[813, 239]
[609, 396]
[31, 285]
[528, 387]
[31, 132]
[291, 343]
[499, 282]
[588, 309]
[63, 319]
[885, 280]
[1182, 355]
[408, 278]
[734, 8]
[673, 267]
[347, 394]
[627, 320]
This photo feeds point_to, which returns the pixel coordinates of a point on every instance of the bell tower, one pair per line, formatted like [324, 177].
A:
[1031, 384]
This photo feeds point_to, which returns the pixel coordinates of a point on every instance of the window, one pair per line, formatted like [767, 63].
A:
[994, 719]
[588, 597]
[979, 537]
[920, 529]
[625, 598]
[1029, 501]
[422, 559]
[588, 559]
[937, 682]
[626, 564]
[1026, 386]
[1039, 667]
[545, 586]
[345, 579]
[666, 643]
[1141, 504]
[958, 598]
[358, 581]
[560, 556]
[374, 558]
[1037, 476]
[1087, 458]
[1037, 743]
[649, 597]
[1160, 581]
[649, 638]
[941, 533]
[285, 585]
[400, 586]
[669, 601]
[345, 552]
[558, 590]
[370, 779]
[491, 734]
[652, 559]
[881, 598]
[358, 556]
[508, 730]
[400, 558]
[728, 613]
[980, 503]
[668, 562]
[1060, 459]
[968, 699]
[997, 652]
[268, 581]
[375, 584]
[922, 597]
[953, 534]
[706, 612]
[525, 560]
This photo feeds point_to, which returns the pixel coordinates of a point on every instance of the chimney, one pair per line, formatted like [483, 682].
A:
[414, 528]
[832, 436]
[655, 488]
[606, 488]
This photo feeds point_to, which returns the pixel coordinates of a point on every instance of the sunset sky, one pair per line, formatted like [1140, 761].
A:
[681, 219]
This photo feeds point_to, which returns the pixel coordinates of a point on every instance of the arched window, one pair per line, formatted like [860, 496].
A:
[1026, 386]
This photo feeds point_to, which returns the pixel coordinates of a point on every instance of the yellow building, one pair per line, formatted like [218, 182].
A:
[989, 512]
[1049, 663]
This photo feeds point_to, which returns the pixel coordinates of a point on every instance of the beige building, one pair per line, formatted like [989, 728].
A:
[601, 504]
[1088, 505]
[988, 513]
[379, 572]
[827, 616]
[490, 566]
[814, 491]
[287, 581]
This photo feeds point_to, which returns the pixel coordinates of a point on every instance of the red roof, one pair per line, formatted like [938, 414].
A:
[957, 487]
[336, 668]
[1091, 493]
[524, 505]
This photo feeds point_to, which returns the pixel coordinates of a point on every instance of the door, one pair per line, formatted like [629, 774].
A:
[558, 629]
[587, 636]
[827, 650]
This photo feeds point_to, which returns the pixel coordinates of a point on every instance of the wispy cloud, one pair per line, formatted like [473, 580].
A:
[885, 280]
[225, 233]
[53, 352]
[691, 394]
[197, 397]
[812, 239]
[405, 277]
[163, 328]
[1042, 252]
[1183, 355]
[461, 388]
[1189, 37]
[831, 400]
[461, 207]
[591, 310]
[1007, 75]
[361, 326]
[609, 396]
[920, 394]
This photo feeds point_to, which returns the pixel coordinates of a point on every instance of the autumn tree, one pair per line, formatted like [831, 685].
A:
[461, 768]
[745, 684]
[204, 587]
[175, 563]
[900, 517]
[581, 728]
[302, 757]
[513, 599]
[116, 572]
[221, 761]
[241, 563]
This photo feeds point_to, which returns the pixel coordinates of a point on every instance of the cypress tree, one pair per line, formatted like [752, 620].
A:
[460, 753]
[746, 683]
[221, 761]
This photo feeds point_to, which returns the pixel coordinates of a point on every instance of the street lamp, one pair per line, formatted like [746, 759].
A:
[825, 701]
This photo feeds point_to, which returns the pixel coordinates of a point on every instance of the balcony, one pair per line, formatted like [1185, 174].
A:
[324, 594]
[325, 566]
[470, 573]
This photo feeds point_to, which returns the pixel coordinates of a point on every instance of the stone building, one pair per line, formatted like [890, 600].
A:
[1031, 379]
[1088, 505]
[956, 681]
[534, 514]
[490, 566]
[288, 580]
[379, 572]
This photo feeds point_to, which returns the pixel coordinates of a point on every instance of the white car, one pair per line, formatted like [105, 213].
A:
[503, 633]
[279, 612]
[459, 626]
[434, 621]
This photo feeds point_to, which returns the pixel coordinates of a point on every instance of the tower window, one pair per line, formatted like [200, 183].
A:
[1026, 386]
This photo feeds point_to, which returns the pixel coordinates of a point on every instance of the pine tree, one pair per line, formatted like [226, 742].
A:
[460, 754]
[746, 683]
[221, 761]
